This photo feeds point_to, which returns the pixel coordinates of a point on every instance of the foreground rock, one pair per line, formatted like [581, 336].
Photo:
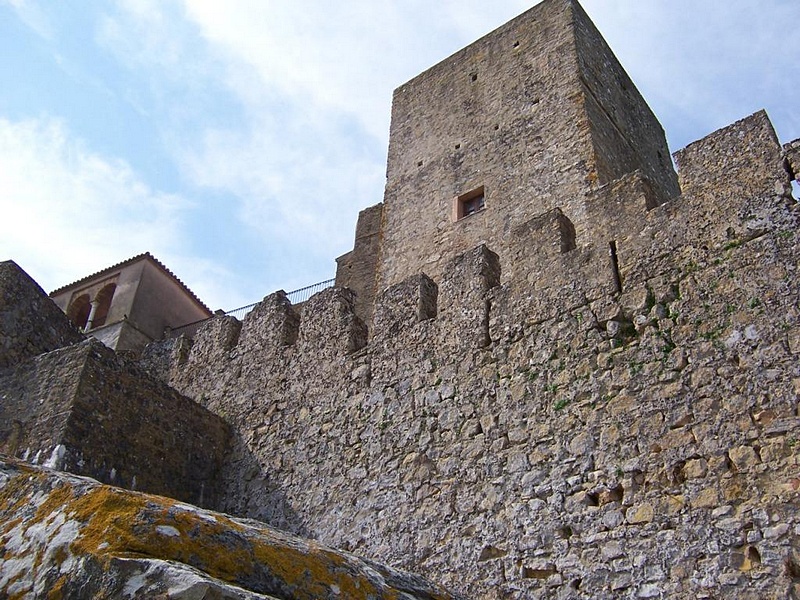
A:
[63, 536]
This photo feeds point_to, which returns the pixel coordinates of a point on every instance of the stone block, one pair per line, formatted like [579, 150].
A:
[744, 458]
[272, 324]
[463, 301]
[30, 322]
[404, 305]
[637, 515]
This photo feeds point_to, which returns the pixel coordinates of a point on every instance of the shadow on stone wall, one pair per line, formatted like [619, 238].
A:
[253, 494]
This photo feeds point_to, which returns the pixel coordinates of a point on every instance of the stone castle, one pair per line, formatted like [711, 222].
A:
[552, 367]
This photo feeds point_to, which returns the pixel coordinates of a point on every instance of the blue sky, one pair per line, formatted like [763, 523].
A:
[238, 140]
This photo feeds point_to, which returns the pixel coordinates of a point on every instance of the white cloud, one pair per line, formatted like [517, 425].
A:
[33, 16]
[68, 212]
[295, 186]
[298, 160]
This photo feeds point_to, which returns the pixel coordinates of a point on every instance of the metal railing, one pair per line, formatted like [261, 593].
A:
[295, 297]
[303, 294]
[239, 313]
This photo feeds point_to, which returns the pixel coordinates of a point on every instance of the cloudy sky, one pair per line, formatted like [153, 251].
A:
[238, 140]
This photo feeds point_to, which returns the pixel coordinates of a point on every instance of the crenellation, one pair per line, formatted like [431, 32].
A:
[546, 235]
[405, 304]
[742, 160]
[621, 214]
[271, 325]
[463, 315]
[330, 325]
[215, 339]
[792, 153]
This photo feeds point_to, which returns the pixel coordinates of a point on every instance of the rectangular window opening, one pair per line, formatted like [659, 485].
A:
[469, 203]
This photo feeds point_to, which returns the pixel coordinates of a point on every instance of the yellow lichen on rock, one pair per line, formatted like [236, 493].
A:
[75, 528]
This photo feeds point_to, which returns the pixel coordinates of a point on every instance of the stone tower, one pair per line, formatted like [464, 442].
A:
[531, 117]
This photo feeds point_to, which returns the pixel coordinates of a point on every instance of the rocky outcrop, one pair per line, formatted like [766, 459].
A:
[63, 536]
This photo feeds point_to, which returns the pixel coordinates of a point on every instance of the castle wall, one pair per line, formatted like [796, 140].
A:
[589, 389]
[84, 410]
[357, 269]
[30, 323]
[600, 425]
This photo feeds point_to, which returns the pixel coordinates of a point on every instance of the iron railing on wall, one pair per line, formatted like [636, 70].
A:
[295, 297]
[303, 294]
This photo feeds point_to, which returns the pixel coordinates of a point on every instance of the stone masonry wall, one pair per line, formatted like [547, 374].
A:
[30, 323]
[357, 268]
[83, 409]
[616, 416]
[537, 115]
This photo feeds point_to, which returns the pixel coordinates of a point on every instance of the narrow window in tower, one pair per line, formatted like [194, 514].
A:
[469, 203]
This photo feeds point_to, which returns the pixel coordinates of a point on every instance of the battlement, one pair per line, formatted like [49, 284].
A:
[555, 268]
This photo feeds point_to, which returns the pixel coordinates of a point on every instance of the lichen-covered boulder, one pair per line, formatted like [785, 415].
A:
[64, 536]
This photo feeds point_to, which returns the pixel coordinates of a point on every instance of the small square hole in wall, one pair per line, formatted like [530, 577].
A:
[795, 189]
[469, 203]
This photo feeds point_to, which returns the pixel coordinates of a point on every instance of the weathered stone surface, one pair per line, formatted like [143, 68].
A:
[64, 536]
[85, 410]
[30, 322]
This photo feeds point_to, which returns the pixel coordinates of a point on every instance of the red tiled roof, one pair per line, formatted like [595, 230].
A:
[125, 263]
